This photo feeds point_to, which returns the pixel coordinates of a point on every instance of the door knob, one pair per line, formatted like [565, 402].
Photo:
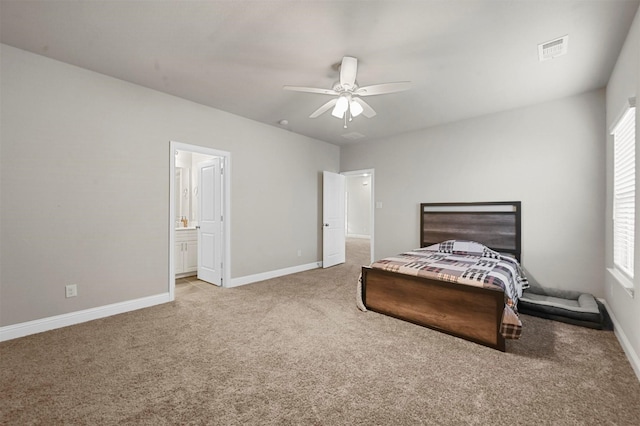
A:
[326, 224]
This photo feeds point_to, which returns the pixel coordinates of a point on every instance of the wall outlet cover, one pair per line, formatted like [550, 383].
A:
[71, 290]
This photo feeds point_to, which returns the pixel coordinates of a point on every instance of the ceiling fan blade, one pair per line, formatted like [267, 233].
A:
[324, 108]
[310, 90]
[348, 71]
[367, 111]
[381, 89]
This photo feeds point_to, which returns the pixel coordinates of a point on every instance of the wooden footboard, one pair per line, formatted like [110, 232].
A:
[472, 313]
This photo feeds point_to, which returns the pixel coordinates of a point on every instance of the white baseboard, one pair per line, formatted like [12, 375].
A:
[45, 324]
[364, 237]
[51, 323]
[632, 356]
[236, 282]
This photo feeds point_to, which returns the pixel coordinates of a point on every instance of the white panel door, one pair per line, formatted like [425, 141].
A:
[333, 219]
[210, 222]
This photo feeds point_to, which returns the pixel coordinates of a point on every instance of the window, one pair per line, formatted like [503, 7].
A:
[624, 191]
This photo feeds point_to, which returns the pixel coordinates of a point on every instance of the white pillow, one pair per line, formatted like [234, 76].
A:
[464, 247]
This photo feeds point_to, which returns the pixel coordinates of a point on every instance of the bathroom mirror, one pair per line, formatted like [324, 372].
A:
[183, 194]
[186, 186]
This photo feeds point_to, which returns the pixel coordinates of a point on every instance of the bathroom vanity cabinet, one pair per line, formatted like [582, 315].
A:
[186, 251]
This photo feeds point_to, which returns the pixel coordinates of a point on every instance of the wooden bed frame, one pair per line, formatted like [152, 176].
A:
[472, 313]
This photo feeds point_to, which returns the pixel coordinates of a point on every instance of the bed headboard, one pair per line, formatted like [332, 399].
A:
[494, 224]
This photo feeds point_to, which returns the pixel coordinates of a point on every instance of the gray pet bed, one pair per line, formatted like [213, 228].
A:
[562, 305]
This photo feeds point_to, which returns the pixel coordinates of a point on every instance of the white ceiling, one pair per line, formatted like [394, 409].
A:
[465, 58]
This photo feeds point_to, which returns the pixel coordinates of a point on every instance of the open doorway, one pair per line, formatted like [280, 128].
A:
[199, 198]
[359, 203]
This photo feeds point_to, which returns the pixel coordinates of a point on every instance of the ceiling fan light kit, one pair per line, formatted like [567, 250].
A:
[342, 105]
[349, 94]
[355, 108]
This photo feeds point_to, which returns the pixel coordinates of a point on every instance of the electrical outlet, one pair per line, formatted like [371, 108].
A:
[299, 252]
[71, 290]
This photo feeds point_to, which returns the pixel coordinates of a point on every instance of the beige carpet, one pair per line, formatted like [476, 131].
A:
[295, 350]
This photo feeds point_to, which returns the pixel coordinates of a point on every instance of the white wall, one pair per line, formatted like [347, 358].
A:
[358, 189]
[549, 156]
[623, 84]
[79, 207]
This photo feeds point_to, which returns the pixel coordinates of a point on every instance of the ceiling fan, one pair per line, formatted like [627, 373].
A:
[348, 103]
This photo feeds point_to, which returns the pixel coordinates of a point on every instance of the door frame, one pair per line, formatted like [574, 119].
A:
[372, 203]
[226, 210]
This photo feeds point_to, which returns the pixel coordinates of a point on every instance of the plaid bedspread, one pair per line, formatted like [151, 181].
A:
[467, 263]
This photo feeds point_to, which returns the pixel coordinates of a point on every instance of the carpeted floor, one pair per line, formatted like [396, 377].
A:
[295, 350]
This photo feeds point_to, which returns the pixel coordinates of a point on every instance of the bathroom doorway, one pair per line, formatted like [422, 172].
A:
[359, 206]
[199, 225]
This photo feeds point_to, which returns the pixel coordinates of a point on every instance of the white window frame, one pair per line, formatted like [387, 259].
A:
[624, 196]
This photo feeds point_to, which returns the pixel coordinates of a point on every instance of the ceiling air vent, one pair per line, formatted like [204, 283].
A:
[353, 136]
[553, 49]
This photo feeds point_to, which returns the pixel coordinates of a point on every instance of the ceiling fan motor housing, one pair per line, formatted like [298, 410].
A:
[340, 89]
